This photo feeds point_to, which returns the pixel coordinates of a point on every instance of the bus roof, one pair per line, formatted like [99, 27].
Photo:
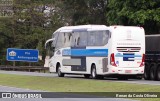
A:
[82, 27]
[121, 26]
[94, 27]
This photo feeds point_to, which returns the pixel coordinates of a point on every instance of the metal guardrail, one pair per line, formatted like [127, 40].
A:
[25, 68]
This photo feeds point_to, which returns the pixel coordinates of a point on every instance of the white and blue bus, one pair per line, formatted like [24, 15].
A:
[97, 51]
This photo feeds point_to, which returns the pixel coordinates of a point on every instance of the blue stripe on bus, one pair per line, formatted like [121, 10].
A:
[128, 56]
[85, 52]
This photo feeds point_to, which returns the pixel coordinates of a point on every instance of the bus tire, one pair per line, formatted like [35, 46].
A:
[60, 74]
[86, 75]
[152, 72]
[158, 73]
[93, 72]
[146, 72]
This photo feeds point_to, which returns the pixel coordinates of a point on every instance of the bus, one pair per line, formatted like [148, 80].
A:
[98, 51]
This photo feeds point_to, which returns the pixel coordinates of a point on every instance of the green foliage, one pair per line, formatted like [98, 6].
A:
[84, 11]
[140, 12]
[26, 29]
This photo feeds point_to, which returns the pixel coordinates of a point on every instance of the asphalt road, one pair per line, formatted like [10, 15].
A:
[148, 82]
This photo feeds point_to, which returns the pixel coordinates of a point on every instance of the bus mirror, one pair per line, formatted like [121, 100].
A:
[48, 42]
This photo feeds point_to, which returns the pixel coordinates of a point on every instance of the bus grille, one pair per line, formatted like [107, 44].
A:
[128, 49]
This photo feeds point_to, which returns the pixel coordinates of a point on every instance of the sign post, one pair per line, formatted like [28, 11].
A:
[27, 55]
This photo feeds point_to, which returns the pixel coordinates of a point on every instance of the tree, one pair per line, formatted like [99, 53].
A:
[30, 25]
[77, 12]
[144, 13]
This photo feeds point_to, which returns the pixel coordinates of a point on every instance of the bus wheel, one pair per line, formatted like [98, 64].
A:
[86, 75]
[152, 72]
[60, 74]
[146, 73]
[93, 72]
[158, 73]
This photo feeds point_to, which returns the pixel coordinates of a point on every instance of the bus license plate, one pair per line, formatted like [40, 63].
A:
[128, 71]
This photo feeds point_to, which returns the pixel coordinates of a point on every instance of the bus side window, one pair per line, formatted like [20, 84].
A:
[98, 38]
[106, 37]
[70, 36]
[79, 39]
[66, 39]
[83, 39]
[91, 39]
[74, 40]
[110, 35]
[60, 41]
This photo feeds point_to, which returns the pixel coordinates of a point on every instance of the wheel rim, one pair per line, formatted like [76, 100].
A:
[59, 71]
[93, 73]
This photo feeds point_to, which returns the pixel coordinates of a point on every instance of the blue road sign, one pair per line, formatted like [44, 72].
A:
[29, 55]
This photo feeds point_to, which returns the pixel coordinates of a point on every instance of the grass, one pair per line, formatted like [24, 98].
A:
[74, 85]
